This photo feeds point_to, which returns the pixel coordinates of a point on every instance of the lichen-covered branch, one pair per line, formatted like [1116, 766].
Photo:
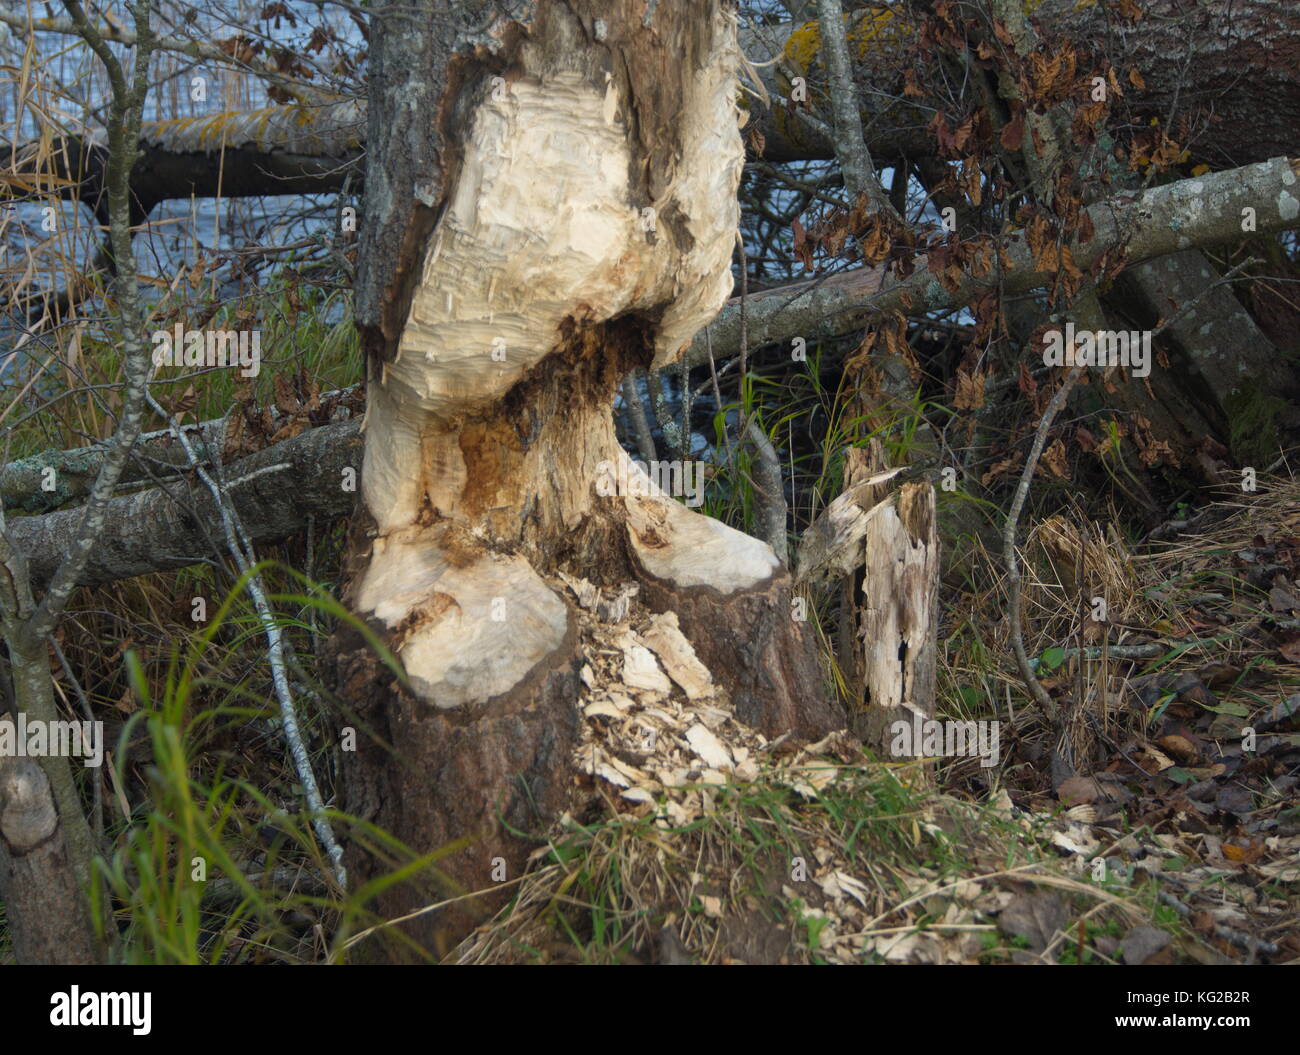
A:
[169, 527]
[1204, 211]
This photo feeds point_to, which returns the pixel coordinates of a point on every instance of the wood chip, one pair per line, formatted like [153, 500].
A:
[641, 671]
[608, 772]
[587, 593]
[679, 659]
[638, 795]
[602, 707]
[708, 747]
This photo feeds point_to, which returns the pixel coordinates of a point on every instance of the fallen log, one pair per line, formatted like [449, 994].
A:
[274, 492]
[1238, 88]
[1198, 212]
[1166, 219]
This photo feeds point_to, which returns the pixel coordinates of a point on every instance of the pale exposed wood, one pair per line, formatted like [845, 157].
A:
[881, 541]
[900, 610]
[686, 549]
[834, 542]
[466, 631]
[641, 670]
[542, 228]
[665, 637]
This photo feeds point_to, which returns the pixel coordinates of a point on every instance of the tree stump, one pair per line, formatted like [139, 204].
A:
[587, 229]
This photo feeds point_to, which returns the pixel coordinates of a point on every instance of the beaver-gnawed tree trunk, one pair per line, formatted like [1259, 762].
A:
[544, 212]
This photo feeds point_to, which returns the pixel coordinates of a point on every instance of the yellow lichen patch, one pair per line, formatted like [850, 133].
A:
[173, 124]
[802, 46]
[216, 126]
[263, 120]
[873, 27]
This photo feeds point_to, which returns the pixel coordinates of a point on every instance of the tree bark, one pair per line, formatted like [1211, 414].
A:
[1233, 69]
[585, 230]
[177, 525]
[37, 867]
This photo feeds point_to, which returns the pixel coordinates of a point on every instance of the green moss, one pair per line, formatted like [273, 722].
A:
[1252, 424]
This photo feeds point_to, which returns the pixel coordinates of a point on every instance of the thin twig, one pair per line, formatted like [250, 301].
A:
[769, 491]
[241, 549]
[1009, 541]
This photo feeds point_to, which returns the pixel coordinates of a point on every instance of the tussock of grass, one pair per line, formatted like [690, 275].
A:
[877, 868]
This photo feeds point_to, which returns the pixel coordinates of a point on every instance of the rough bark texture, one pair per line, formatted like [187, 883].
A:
[587, 231]
[174, 527]
[767, 666]
[1233, 68]
[500, 773]
[411, 44]
[1227, 378]
[36, 868]
[46, 845]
